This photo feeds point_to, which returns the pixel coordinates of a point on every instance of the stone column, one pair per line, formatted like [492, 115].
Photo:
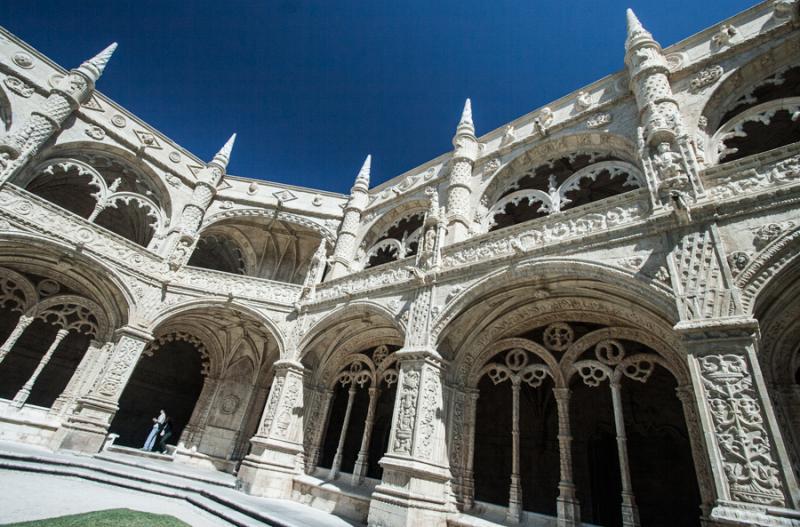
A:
[25, 392]
[630, 513]
[86, 428]
[276, 453]
[459, 189]
[22, 324]
[515, 490]
[67, 398]
[568, 506]
[315, 428]
[753, 479]
[701, 466]
[337, 458]
[416, 484]
[469, 480]
[345, 250]
[360, 469]
[71, 90]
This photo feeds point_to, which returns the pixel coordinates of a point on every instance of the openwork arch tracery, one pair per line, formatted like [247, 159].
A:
[754, 109]
[559, 174]
[111, 193]
[395, 235]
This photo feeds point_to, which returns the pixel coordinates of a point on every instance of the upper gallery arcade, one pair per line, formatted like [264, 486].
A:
[590, 314]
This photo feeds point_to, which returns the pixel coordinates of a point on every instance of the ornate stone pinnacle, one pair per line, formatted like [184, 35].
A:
[465, 125]
[362, 180]
[224, 155]
[94, 67]
[636, 31]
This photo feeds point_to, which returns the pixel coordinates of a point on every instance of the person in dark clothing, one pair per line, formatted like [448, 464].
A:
[164, 434]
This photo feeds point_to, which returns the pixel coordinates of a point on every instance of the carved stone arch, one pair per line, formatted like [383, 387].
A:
[12, 284]
[760, 272]
[242, 243]
[556, 147]
[153, 210]
[362, 307]
[87, 151]
[349, 329]
[186, 333]
[232, 307]
[73, 312]
[82, 272]
[6, 113]
[288, 217]
[385, 220]
[543, 270]
[549, 360]
[668, 357]
[743, 79]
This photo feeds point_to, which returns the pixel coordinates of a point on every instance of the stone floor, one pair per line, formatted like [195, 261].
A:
[38, 483]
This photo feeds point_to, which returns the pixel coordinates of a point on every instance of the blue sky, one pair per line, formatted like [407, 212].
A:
[311, 87]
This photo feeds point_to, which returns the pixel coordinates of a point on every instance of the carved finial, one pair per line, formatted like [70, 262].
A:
[465, 125]
[94, 67]
[362, 180]
[636, 31]
[224, 155]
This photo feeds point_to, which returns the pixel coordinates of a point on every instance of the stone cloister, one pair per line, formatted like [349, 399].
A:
[588, 316]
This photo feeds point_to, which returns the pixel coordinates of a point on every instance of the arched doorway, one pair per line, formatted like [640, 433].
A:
[209, 368]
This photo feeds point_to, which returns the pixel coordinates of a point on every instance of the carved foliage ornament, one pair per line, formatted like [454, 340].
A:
[705, 78]
[18, 86]
[406, 411]
[742, 440]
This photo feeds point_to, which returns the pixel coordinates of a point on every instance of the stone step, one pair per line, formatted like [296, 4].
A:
[125, 458]
[209, 505]
[233, 506]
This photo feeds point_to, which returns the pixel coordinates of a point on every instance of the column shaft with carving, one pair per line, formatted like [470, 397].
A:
[66, 400]
[345, 251]
[749, 462]
[459, 189]
[569, 511]
[416, 488]
[337, 458]
[22, 395]
[360, 469]
[73, 89]
[86, 428]
[22, 324]
[276, 453]
[630, 513]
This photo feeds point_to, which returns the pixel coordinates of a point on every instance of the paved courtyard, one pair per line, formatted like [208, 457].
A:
[31, 496]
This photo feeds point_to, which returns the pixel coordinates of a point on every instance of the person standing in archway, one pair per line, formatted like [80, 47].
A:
[158, 423]
[164, 435]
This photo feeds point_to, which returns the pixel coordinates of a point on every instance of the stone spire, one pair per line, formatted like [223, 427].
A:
[94, 67]
[636, 32]
[224, 155]
[465, 125]
[362, 180]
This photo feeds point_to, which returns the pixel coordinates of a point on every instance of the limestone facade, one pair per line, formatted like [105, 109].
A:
[591, 314]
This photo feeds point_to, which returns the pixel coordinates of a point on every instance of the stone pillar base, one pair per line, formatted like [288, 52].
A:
[569, 512]
[86, 429]
[735, 514]
[269, 469]
[412, 493]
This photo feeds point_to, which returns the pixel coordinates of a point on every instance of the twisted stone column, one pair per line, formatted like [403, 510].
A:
[22, 324]
[515, 491]
[337, 459]
[25, 392]
[569, 511]
[630, 513]
[360, 469]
